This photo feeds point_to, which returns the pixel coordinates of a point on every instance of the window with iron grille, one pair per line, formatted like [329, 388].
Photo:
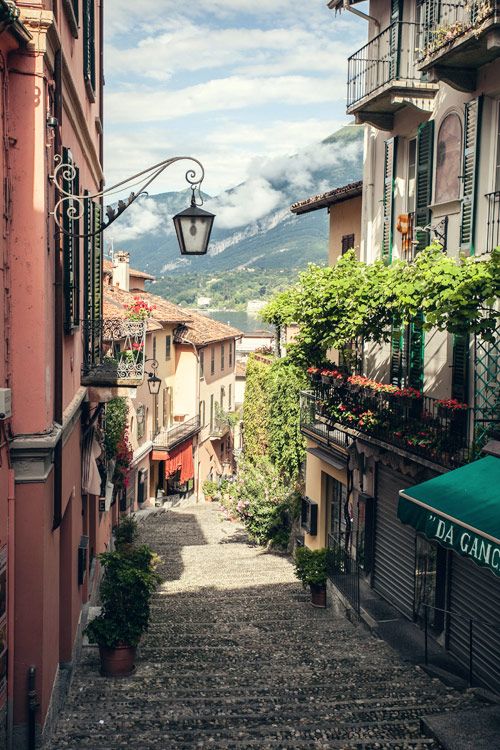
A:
[347, 242]
[168, 347]
[89, 73]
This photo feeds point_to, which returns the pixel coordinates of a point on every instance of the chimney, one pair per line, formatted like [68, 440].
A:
[121, 270]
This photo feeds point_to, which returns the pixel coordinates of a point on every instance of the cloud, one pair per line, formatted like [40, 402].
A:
[141, 218]
[245, 204]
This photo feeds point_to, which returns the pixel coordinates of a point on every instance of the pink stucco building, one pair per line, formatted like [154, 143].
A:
[50, 66]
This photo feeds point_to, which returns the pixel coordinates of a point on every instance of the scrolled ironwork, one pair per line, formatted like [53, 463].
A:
[113, 351]
[66, 172]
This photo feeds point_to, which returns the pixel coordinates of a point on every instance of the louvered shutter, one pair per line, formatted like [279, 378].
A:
[423, 189]
[396, 354]
[76, 256]
[89, 46]
[96, 242]
[70, 245]
[388, 198]
[88, 261]
[416, 354]
[470, 164]
[460, 371]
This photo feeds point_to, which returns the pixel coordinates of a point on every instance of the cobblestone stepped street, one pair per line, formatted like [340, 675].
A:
[237, 658]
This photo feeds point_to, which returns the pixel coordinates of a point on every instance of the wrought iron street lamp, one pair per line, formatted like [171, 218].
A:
[153, 381]
[193, 226]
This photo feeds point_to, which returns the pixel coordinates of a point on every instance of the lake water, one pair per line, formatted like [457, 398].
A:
[239, 319]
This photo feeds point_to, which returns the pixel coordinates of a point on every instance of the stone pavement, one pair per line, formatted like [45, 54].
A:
[237, 658]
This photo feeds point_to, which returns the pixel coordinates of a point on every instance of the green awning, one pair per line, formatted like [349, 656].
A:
[460, 510]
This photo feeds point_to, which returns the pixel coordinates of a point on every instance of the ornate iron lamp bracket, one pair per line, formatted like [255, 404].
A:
[74, 205]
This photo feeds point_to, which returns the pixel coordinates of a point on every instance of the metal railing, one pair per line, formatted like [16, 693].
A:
[443, 22]
[344, 571]
[313, 420]
[493, 221]
[113, 351]
[471, 624]
[169, 438]
[420, 426]
[390, 56]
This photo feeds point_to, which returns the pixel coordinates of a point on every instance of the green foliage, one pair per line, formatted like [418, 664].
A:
[210, 488]
[128, 583]
[286, 443]
[116, 423]
[256, 408]
[126, 532]
[335, 305]
[311, 565]
[263, 501]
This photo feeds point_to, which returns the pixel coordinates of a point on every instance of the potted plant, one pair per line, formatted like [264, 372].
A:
[126, 533]
[128, 583]
[210, 490]
[311, 569]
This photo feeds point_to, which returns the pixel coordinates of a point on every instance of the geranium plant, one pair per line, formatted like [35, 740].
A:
[452, 404]
[139, 309]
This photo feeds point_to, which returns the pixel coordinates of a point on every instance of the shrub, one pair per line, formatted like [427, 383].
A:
[311, 566]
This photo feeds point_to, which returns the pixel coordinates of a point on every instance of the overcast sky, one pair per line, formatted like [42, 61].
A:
[233, 82]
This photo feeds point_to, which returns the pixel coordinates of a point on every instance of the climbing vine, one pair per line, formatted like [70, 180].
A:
[116, 425]
[256, 408]
[286, 443]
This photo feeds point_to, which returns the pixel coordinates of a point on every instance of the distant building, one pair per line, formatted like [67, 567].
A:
[255, 305]
[251, 342]
[203, 301]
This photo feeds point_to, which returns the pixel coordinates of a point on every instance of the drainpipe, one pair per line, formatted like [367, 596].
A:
[348, 7]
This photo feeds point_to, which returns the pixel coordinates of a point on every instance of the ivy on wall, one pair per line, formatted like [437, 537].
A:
[116, 425]
[256, 409]
[286, 443]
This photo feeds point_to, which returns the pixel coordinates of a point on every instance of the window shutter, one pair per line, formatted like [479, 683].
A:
[388, 199]
[395, 39]
[423, 188]
[89, 47]
[76, 256]
[460, 371]
[96, 241]
[416, 353]
[71, 247]
[88, 260]
[470, 164]
[347, 243]
[396, 355]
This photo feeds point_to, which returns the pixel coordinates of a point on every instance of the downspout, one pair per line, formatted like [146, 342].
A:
[58, 322]
[348, 7]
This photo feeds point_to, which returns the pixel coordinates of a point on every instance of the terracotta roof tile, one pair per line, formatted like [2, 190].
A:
[315, 202]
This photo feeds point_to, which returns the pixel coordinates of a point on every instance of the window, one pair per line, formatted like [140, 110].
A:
[202, 413]
[229, 397]
[222, 393]
[448, 159]
[222, 356]
[71, 249]
[211, 412]
[336, 495]
[92, 262]
[154, 347]
[347, 242]
[212, 360]
[410, 178]
[230, 354]
[168, 347]
[202, 363]
[89, 48]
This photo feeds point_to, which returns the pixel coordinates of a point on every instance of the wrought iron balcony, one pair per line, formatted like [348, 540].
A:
[493, 221]
[457, 38]
[113, 352]
[422, 426]
[220, 428]
[168, 439]
[382, 77]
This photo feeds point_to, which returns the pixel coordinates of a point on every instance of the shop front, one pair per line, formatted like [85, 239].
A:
[455, 518]
[175, 473]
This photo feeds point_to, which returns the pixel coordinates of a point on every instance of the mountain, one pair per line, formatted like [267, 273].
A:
[254, 227]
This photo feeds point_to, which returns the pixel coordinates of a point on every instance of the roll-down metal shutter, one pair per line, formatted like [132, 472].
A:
[475, 593]
[394, 571]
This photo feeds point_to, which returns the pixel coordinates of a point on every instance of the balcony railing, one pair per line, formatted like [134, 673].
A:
[387, 58]
[420, 426]
[493, 221]
[457, 38]
[220, 428]
[168, 439]
[113, 352]
[314, 422]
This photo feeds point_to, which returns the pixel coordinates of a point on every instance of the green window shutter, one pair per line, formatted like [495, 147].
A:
[397, 346]
[460, 371]
[89, 46]
[88, 260]
[472, 123]
[97, 263]
[76, 256]
[388, 199]
[416, 353]
[70, 246]
[423, 189]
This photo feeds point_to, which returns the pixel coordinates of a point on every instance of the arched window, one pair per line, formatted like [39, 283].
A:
[448, 159]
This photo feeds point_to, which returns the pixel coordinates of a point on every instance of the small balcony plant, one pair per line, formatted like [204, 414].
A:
[311, 569]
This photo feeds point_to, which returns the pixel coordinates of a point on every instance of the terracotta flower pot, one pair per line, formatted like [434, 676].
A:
[318, 594]
[117, 662]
